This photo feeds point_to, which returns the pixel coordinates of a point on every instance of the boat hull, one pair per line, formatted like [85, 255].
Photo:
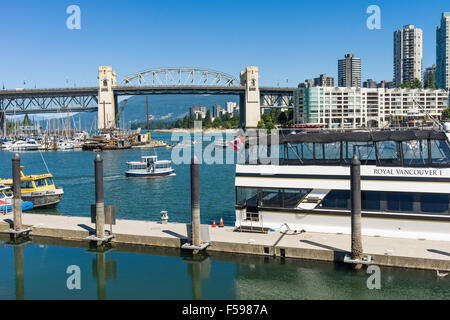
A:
[149, 174]
[8, 208]
[44, 199]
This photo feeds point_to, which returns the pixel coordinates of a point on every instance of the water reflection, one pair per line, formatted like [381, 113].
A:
[103, 269]
[160, 273]
[198, 267]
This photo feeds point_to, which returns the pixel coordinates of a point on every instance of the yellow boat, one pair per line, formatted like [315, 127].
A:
[39, 189]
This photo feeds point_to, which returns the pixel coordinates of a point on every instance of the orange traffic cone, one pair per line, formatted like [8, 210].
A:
[221, 223]
[214, 224]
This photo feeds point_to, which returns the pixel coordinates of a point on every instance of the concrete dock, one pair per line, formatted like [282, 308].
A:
[395, 252]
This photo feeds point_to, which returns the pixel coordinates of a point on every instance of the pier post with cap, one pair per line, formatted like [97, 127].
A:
[355, 180]
[99, 198]
[195, 202]
[17, 193]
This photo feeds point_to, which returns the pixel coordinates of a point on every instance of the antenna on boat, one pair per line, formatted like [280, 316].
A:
[44, 161]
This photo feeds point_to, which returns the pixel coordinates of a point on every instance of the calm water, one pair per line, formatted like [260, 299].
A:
[140, 199]
[38, 271]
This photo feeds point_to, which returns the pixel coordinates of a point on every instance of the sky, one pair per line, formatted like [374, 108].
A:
[289, 41]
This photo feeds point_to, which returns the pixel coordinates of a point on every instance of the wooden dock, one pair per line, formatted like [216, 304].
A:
[407, 253]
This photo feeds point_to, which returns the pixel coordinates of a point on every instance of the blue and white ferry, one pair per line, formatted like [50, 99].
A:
[150, 167]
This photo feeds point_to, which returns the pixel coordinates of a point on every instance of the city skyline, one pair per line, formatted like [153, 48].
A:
[73, 59]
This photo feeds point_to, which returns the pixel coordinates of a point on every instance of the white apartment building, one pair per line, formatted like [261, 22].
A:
[231, 106]
[354, 107]
[407, 54]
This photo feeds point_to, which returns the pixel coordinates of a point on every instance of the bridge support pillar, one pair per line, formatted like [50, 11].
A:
[3, 123]
[106, 100]
[250, 104]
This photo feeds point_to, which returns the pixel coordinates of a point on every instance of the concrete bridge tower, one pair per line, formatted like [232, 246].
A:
[250, 104]
[106, 101]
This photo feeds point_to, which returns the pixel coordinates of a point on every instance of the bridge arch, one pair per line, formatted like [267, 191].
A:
[179, 77]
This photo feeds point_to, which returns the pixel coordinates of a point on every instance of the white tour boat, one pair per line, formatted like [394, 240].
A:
[405, 184]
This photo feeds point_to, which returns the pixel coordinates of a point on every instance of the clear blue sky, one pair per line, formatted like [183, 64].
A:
[286, 39]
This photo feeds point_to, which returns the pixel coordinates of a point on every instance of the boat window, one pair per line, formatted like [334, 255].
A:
[272, 198]
[440, 152]
[434, 203]
[415, 152]
[370, 200]
[246, 196]
[397, 201]
[332, 150]
[388, 153]
[2, 195]
[40, 183]
[338, 199]
[293, 197]
[364, 150]
[49, 181]
[26, 185]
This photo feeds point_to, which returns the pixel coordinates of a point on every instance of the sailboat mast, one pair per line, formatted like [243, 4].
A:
[148, 120]
[68, 122]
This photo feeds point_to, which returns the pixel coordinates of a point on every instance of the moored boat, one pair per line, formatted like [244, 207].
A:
[150, 167]
[405, 183]
[6, 201]
[38, 189]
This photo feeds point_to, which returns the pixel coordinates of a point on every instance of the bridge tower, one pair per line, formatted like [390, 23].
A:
[250, 104]
[107, 106]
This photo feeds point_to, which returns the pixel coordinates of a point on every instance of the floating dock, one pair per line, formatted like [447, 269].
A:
[393, 252]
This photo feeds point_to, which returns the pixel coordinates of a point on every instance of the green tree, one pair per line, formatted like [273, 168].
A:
[430, 83]
[207, 122]
[446, 114]
[26, 121]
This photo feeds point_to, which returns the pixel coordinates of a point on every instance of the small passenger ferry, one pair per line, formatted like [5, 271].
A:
[39, 189]
[150, 167]
[405, 183]
[6, 201]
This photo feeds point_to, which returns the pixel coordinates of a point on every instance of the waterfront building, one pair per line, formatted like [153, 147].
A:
[407, 54]
[231, 106]
[199, 112]
[365, 107]
[217, 111]
[442, 53]
[349, 71]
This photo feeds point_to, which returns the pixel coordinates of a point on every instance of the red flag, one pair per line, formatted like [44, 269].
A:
[237, 143]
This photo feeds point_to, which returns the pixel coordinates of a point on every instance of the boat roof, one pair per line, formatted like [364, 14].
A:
[3, 187]
[163, 162]
[356, 136]
[137, 163]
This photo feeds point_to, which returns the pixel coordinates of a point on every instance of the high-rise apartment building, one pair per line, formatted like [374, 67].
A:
[349, 71]
[407, 54]
[442, 53]
[324, 81]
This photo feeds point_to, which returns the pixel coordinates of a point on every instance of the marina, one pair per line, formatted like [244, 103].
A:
[150, 151]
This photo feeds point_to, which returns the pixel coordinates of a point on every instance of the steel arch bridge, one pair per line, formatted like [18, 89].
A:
[179, 77]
